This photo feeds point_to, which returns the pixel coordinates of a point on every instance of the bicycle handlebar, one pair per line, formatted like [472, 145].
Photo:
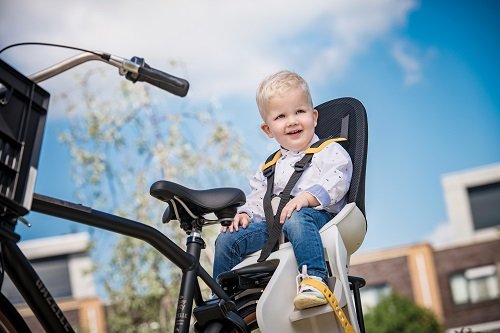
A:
[134, 70]
[158, 78]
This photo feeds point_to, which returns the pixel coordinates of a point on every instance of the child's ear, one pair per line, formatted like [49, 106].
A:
[266, 130]
[315, 116]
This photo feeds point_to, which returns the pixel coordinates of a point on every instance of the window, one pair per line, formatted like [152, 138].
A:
[484, 205]
[53, 272]
[475, 285]
[370, 296]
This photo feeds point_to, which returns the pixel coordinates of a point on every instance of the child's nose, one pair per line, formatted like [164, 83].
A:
[292, 120]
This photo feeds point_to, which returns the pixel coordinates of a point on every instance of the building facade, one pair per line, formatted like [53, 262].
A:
[460, 284]
[459, 281]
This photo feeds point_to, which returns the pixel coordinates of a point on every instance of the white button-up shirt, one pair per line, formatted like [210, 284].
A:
[327, 178]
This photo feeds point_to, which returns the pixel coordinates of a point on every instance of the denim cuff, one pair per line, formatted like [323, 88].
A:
[323, 275]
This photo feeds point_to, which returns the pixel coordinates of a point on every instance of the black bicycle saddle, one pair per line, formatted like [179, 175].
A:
[199, 201]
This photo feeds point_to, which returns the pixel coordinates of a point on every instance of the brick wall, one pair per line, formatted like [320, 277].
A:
[459, 259]
[393, 272]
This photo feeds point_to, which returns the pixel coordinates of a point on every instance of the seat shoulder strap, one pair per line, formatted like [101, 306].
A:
[271, 161]
[321, 144]
[315, 147]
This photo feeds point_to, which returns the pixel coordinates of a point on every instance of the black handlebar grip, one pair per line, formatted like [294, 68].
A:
[170, 83]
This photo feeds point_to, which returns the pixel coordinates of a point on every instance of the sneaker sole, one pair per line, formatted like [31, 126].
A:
[302, 301]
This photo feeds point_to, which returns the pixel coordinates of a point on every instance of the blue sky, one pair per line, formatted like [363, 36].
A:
[427, 72]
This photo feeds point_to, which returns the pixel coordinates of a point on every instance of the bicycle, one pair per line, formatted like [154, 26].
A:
[237, 294]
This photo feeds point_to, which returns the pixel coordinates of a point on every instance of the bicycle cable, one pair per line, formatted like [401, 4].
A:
[48, 44]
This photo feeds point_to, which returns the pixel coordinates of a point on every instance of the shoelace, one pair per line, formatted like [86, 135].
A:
[303, 275]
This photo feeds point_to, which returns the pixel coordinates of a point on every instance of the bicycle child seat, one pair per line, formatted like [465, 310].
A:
[342, 236]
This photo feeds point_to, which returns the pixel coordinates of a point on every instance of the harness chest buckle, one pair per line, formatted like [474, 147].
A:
[275, 202]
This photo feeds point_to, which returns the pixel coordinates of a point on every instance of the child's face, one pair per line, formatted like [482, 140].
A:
[290, 120]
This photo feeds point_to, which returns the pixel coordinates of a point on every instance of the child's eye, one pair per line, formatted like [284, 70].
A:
[279, 117]
[301, 111]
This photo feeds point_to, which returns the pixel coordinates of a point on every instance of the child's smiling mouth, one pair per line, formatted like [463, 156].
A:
[294, 132]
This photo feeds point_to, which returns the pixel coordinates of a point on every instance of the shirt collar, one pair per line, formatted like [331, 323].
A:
[295, 153]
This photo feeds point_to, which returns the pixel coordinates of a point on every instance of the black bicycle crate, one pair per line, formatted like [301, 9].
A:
[23, 111]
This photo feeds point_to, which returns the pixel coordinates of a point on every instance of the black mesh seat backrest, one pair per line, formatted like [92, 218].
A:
[343, 117]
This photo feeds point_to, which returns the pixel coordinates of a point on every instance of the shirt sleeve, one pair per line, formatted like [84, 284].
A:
[331, 177]
[254, 200]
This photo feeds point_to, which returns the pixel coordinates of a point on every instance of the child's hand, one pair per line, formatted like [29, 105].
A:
[239, 219]
[304, 199]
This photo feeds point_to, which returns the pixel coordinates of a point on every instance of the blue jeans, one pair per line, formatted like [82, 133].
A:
[301, 229]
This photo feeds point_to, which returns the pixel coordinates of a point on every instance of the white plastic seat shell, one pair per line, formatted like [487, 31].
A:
[341, 237]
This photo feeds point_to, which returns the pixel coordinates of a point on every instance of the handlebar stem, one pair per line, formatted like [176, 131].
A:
[122, 64]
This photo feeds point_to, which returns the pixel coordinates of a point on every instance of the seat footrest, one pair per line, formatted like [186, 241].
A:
[355, 283]
[311, 312]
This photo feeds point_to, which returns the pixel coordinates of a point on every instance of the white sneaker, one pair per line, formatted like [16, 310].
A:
[308, 296]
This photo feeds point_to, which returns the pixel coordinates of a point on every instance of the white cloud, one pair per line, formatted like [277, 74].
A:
[442, 235]
[353, 27]
[411, 59]
[410, 65]
[225, 46]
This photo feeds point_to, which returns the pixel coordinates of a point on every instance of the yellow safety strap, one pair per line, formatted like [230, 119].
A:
[311, 150]
[330, 297]
[314, 150]
[271, 162]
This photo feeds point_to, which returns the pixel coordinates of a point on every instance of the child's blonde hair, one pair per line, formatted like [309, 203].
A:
[277, 84]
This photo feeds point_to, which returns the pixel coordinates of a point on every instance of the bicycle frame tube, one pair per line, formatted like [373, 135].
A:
[31, 286]
[88, 216]
[188, 284]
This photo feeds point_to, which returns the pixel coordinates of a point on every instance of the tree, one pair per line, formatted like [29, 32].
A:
[398, 314]
[120, 143]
